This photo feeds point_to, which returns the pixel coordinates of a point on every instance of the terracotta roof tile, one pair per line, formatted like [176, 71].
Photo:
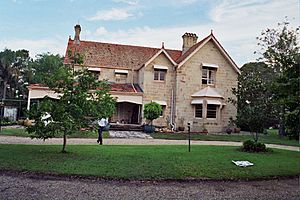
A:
[124, 87]
[115, 55]
[115, 87]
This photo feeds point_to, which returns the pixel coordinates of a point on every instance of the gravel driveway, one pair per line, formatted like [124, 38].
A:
[21, 186]
[128, 141]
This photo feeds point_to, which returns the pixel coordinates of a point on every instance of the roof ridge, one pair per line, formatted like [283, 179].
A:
[128, 45]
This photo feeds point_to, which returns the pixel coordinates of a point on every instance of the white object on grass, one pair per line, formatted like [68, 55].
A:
[242, 163]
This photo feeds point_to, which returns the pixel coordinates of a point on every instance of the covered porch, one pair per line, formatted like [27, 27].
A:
[128, 109]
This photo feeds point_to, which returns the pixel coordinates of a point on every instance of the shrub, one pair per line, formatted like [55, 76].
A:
[152, 111]
[252, 146]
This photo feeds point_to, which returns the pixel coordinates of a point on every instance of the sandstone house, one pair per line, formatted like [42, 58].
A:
[192, 84]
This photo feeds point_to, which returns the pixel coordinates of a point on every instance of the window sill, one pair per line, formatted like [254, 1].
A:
[157, 81]
[212, 119]
[209, 84]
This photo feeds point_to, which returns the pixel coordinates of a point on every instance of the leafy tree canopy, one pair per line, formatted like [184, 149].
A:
[152, 111]
[13, 70]
[280, 51]
[44, 66]
[82, 99]
[253, 97]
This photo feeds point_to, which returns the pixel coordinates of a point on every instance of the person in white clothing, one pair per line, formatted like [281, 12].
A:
[101, 124]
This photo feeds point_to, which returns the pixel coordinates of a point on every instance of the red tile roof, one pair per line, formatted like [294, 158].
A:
[114, 87]
[115, 55]
[124, 87]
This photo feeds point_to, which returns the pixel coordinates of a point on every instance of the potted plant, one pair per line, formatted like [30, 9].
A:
[228, 130]
[204, 129]
[230, 126]
[151, 112]
[181, 126]
[237, 130]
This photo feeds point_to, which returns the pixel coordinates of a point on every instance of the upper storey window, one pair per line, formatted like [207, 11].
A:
[160, 72]
[121, 76]
[95, 72]
[159, 75]
[209, 73]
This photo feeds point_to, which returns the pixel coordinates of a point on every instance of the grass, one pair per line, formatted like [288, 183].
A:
[270, 138]
[148, 162]
[79, 134]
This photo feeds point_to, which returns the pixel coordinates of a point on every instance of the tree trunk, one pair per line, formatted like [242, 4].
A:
[64, 143]
[281, 130]
[256, 136]
[2, 104]
[4, 89]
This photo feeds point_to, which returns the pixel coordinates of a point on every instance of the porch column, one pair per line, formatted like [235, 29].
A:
[28, 100]
[139, 115]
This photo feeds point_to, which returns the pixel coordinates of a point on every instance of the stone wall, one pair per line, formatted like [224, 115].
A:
[189, 81]
[159, 90]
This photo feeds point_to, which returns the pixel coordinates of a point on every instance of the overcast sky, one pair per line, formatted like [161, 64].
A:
[45, 25]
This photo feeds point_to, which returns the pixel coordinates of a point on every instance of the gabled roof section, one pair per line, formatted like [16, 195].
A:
[185, 57]
[162, 50]
[191, 50]
[115, 56]
[208, 92]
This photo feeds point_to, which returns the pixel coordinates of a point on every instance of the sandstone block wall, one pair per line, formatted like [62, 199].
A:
[189, 81]
[158, 90]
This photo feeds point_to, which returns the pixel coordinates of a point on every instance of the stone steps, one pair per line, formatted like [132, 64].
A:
[125, 127]
[129, 134]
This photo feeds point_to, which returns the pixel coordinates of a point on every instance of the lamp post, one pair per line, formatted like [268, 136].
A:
[189, 131]
[1, 113]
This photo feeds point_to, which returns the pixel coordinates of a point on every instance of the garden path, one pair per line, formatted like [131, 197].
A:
[128, 141]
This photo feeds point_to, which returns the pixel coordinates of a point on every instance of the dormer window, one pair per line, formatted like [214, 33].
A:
[160, 72]
[209, 73]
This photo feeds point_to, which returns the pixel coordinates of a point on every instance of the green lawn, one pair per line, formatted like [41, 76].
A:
[78, 134]
[271, 138]
[148, 162]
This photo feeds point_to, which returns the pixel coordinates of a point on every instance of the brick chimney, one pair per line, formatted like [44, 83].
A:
[77, 34]
[189, 39]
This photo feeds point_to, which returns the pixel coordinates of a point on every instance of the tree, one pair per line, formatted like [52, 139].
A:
[286, 93]
[280, 51]
[43, 67]
[151, 112]
[82, 98]
[13, 67]
[253, 97]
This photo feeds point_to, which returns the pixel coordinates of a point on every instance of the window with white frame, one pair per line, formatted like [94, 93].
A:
[95, 72]
[211, 111]
[198, 110]
[121, 76]
[160, 74]
[208, 75]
